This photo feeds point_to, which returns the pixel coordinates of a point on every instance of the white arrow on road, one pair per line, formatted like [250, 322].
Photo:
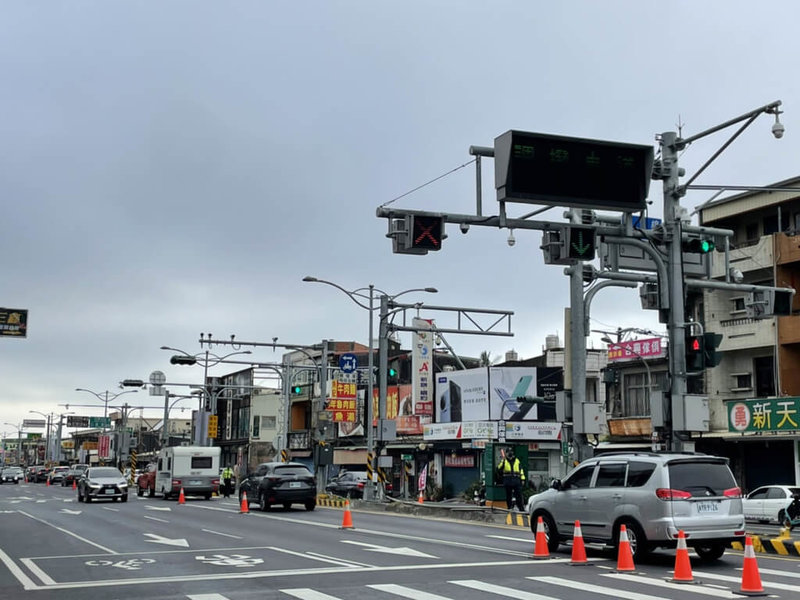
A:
[405, 550]
[148, 507]
[70, 512]
[157, 539]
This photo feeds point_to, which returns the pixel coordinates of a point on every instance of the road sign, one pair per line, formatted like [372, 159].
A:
[99, 422]
[34, 423]
[73, 421]
[213, 423]
[348, 362]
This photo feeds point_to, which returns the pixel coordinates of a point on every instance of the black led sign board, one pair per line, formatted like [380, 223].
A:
[538, 168]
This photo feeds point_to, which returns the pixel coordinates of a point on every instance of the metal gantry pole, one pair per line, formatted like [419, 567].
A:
[370, 492]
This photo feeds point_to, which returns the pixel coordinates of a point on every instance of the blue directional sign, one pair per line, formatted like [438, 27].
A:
[348, 363]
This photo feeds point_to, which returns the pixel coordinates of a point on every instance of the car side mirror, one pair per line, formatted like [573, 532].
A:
[556, 485]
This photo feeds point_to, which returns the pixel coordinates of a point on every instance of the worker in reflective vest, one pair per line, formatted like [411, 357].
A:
[227, 475]
[513, 477]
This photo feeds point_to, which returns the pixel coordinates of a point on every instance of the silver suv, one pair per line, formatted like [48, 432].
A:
[653, 494]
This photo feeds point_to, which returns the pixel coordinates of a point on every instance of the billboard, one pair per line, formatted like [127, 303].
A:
[13, 322]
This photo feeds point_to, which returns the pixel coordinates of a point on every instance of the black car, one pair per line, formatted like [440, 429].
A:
[12, 475]
[74, 473]
[349, 484]
[280, 483]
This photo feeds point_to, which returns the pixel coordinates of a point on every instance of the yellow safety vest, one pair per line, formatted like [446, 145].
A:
[514, 467]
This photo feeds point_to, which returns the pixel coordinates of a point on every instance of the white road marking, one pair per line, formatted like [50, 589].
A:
[738, 580]
[156, 519]
[308, 594]
[406, 592]
[111, 509]
[70, 512]
[34, 568]
[502, 590]
[207, 597]
[68, 532]
[236, 537]
[403, 551]
[27, 582]
[616, 593]
[150, 507]
[513, 539]
[313, 556]
[160, 539]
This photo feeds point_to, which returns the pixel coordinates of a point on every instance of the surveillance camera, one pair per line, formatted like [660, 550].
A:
[736, 275]
[511, 240]
[464, 227]
[778, 129]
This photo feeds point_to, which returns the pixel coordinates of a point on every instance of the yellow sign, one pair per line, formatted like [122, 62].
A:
[213, 421]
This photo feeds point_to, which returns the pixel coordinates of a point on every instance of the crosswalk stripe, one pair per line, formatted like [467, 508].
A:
[738, 580]
[308, 594]
[696, 589]
[501, 590]
[206, 597]
[406, 592]
[596, 589]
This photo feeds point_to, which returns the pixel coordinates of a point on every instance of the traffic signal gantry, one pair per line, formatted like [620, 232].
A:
[588, 175]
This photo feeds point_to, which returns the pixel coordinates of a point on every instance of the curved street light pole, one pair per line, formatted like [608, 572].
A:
[354, 295]
[105, 398]
[49, 448]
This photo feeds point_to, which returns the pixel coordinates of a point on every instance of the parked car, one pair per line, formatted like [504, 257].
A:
[38, 474]
[12, 475]
[102, 482]
[74, 473]
[350, 484]
[146, 482]
[56, 474]
[768, 503]
[280, 483]
[654, 495]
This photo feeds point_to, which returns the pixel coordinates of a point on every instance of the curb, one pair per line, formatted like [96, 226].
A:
[334, 502]
[782, 545]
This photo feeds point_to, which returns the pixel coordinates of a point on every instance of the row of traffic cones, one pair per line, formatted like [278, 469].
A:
[751, 579]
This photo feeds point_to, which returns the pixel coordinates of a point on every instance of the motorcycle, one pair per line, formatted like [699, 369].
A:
[792, 518]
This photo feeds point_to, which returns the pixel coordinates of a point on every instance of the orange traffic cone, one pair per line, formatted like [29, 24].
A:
[578, 549]
[245, 508]
[48, 482]
[751, 580]
[683, 566]
[74, 484]
[421, 498]
[347, 520]
[540, 549]
[181, 498]
[624, 556]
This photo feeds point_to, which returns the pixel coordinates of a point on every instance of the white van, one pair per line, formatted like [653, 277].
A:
[193, 469]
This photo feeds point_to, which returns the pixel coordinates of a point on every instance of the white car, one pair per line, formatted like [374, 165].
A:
[768, 503]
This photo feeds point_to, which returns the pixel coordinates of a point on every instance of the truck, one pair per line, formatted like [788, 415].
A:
[193, 469]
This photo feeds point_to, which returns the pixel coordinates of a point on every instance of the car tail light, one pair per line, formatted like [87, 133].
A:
[360, 485]
[176, 482]
[215, 482]
[733, 492]
[669, 494]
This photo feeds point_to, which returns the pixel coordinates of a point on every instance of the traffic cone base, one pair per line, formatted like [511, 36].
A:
[578, 548]
[347, 519]
[181, 498]
[421, 498]
[540, 548]
[245, 507]
[751, 579]
[624, 555]
[683, 565]
[74, 484]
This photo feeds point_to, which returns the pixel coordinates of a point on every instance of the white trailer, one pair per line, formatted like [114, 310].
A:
[193, 469]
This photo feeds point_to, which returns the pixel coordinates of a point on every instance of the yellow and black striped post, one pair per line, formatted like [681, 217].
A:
[369, 466]
[132, 476]
[284, 455]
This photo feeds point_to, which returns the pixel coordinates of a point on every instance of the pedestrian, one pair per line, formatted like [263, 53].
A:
[513, 478]
[227, 475]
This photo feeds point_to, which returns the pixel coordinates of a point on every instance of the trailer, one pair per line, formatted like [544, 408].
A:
[193, 469]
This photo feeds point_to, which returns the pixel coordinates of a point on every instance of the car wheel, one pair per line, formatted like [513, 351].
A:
[710, 552]
[311, 505]
[87, 498]
[139, 491]
[636, 539]
[208, 496]
[287, 505]
[124, 498]
[264, 504]
[550, 530]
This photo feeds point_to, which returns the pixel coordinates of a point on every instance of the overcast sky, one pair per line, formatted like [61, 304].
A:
[172, 168]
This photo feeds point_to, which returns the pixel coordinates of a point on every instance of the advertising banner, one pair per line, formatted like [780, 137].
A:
[421, 398]
[462, 396]
[104, 446]
[526, 430]
[467, 430]
[509, 387]
[13, 322]
[635, 349]
[770, 414]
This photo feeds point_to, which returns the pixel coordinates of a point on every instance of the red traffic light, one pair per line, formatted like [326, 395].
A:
[695, 344]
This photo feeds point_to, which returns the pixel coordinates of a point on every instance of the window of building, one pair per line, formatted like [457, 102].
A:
[737, 305]
[256, 426]
[537, 462]
[751, 232]
[765, 376]
[635, 401]
[741, 382]
[268, 422]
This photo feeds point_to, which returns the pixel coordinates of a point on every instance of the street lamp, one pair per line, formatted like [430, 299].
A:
[18, 427]
[357, 296]
[105, 398]
[184, 358]
[48, 418]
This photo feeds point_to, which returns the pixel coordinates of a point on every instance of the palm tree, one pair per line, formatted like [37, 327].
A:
[486, 359]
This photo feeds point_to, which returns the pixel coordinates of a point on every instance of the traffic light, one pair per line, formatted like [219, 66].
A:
[297, 390]
[425, 232]
[695, 353]
[579, 243]
[698, 245]
[138, 383]
[391, 375]
[183, 359]
[711, 341]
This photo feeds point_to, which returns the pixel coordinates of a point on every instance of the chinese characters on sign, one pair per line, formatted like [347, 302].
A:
[342, 403]
[649, 348]
[772, 414]
[13, 322]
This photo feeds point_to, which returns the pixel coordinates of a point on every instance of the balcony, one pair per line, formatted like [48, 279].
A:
[787, 248]
[748, 257]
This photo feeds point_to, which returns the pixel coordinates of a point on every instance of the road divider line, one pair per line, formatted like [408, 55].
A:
[68, 532]
[34, 568]
[313, 556]
[236, 537]
[27, 582]
[156, 519]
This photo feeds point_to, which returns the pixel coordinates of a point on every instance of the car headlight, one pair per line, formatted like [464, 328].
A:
[93, 484]
[123, 485]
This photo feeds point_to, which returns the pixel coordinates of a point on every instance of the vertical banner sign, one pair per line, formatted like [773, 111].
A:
[342, 403]
[422, 480]
[104, 446]
[422, 371]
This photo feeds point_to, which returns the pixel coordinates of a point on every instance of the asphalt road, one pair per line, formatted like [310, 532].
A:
[53, 547]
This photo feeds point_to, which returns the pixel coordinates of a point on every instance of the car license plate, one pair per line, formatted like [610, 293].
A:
[295, 484]
[108, 491]
[195, 482]
[707, 507]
